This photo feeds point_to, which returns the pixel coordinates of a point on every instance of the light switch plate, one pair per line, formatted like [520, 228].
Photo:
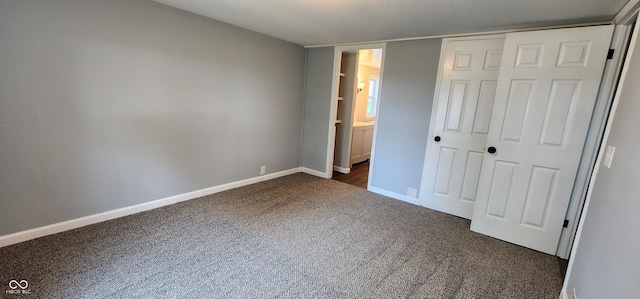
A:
[608, 156]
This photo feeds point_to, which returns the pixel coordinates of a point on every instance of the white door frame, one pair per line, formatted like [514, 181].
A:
[599, 118]
[596, 139]
[624, 20]
[337, 60]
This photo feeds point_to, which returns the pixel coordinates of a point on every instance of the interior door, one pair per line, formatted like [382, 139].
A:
[546, 91]
[467, 85]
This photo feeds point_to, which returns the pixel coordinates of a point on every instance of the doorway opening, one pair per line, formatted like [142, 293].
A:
[356, 92]
[359, 175]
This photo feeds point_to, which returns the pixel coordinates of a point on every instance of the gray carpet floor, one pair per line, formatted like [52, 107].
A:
[297, 236]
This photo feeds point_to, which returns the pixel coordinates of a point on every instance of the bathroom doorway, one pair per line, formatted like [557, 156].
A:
[357, 89]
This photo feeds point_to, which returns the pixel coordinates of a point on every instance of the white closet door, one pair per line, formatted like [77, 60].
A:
[546, 91]
[468, 78]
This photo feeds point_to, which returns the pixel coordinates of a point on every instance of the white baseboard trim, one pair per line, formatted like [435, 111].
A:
[341, 169]
[563, 294]
[55, 228]
[394, 195]
[314, 172]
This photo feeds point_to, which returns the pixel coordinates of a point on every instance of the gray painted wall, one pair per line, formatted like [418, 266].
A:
[408, 84]
[107, 104]
[606, 263]
[317, 101]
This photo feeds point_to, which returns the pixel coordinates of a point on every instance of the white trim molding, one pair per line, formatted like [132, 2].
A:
[587, 201]
[610, 78]
[394, 195]
[333, 108]
[472, 34]
[341, 169]
[627, 15]
[314, 172]
[55, 228]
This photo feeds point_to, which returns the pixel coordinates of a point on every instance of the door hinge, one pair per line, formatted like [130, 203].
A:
[566, 223]
[610, 54]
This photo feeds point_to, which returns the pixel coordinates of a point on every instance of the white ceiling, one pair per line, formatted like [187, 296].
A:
[328, 22]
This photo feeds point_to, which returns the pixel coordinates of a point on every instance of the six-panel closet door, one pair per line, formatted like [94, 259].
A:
[460, 123]
[547, 88]
[508, 128]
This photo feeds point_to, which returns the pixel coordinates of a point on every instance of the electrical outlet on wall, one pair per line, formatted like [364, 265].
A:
[412, 192]
[263, 170]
